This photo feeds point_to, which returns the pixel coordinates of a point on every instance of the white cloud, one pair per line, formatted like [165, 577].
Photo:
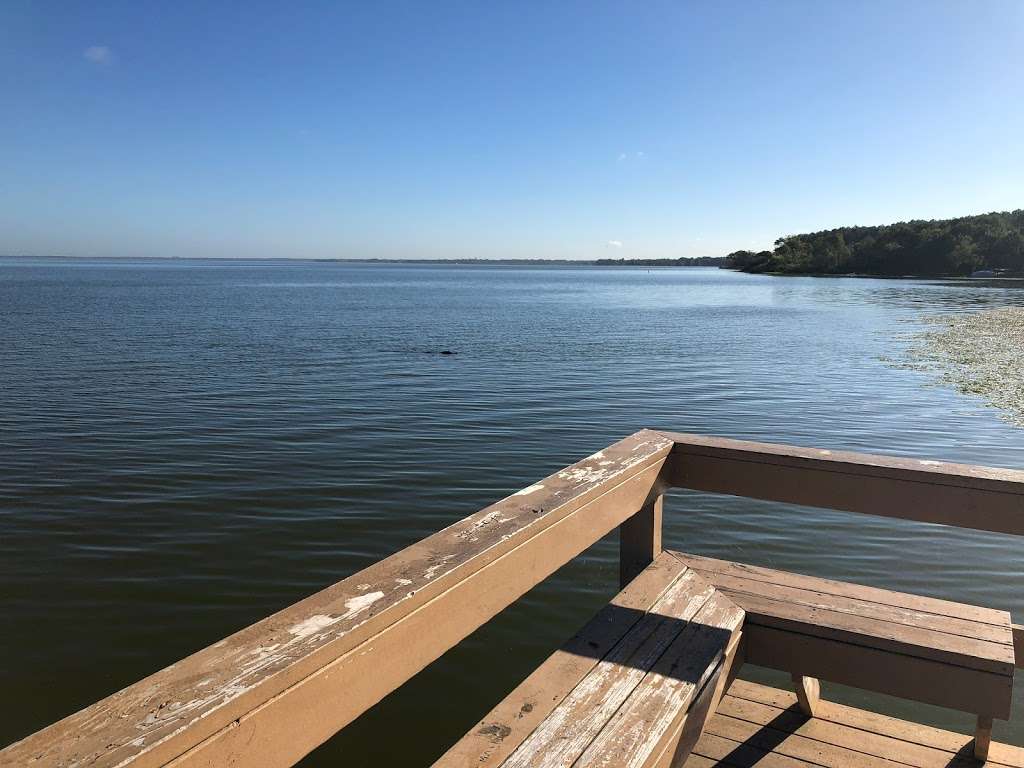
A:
[100, 55]
[632, 157]
[615, 243]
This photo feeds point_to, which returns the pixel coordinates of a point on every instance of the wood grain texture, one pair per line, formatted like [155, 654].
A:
[985, 498]
[982, 738]
[678, 748]
[641, 703]
[646, 724]
[930, 682]
[498, 733]
[272, 692]
[776, 733]
[917, 603]
[885, 621]
[640, 540]
[808, 693]
[577, 720]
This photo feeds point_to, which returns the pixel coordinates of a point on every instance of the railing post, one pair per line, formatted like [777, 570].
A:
[640, 540]
[982, 738]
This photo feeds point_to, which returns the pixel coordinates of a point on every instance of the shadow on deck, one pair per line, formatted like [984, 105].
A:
[761, 726]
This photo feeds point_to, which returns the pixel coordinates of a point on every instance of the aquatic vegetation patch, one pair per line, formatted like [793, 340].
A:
[978, 353]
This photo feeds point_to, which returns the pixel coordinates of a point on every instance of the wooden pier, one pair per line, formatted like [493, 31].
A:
[650, 680]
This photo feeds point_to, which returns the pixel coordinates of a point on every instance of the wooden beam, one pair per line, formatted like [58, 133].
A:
[1018, 644]
[984, 498]
[982, 738]
[640, 540]
[930, 682]
[269, 694]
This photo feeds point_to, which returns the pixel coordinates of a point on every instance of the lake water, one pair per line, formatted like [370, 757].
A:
[188, 446]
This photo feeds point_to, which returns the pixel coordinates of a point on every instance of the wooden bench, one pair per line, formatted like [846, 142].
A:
[934, 651]
[633, 688]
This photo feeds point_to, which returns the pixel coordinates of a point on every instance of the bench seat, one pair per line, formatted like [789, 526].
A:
[934, 651]
[633, 688]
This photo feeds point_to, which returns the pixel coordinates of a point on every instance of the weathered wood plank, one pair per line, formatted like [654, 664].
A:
[643, 728]
[914, 744]
[858, 630]
[678, 748]
[931, 682]
[272, 692]
[985, 498]
[505, 727]
[808, 693]
[569, 729]
[736, 754]
[917, 603]
[954, 626]
[795, 746]
[1018, 644]
[840, 735]
[350, 685]
[982, 738]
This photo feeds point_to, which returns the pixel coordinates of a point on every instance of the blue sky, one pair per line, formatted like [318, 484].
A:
[529, 129]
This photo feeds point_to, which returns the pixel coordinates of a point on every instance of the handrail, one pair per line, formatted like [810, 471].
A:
[269, 694]
[961, 495]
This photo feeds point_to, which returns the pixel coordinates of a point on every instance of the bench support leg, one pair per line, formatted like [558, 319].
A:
[639, 541]
[808, 693]
[982, 737]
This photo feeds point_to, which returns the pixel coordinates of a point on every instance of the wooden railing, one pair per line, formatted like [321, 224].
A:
[269, 694]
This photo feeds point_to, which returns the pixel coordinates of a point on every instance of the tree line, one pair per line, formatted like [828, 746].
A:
[989, 241]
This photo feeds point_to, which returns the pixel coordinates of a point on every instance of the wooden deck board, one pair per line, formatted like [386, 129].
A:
[762, 726]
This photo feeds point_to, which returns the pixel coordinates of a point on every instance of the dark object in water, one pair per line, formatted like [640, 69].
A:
[448, 352]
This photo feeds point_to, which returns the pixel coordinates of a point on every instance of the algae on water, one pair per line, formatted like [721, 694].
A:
[979, 353]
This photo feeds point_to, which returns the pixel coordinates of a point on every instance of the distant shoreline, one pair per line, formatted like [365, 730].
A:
[698, 261]
[666, 264]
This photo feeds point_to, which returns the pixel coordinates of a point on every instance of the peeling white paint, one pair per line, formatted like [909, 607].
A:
[314, 624]
[441, 562]
[357, 605]
[585, 475]
[494, 516]
[403, 582]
